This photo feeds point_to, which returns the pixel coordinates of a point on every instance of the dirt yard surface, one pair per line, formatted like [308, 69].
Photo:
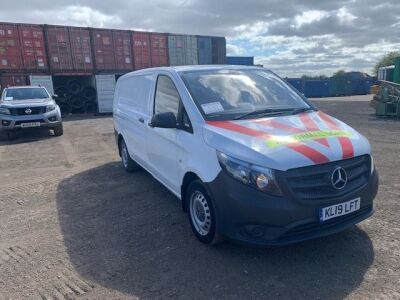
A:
[74, 225]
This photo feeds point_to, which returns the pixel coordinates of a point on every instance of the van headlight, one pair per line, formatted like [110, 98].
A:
[260, 178]
[50, 107]
[4, 111]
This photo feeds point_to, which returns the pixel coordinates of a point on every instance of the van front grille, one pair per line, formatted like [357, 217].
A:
[27, 111]
[314, 182]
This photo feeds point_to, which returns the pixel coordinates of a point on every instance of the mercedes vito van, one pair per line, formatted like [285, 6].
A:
[251, 159]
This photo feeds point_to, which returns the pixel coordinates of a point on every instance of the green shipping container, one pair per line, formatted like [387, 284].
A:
[340, 87]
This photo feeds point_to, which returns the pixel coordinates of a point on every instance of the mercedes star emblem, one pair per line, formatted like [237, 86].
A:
[339, 178]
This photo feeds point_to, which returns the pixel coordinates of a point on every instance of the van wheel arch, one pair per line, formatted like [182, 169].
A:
[187, 180]
[120, 139]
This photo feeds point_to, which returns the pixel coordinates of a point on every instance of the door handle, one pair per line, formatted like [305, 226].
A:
[141, 120]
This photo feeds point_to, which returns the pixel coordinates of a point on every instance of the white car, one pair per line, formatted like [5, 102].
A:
[251, 159]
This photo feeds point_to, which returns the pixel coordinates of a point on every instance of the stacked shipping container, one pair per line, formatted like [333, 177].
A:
[10, 55]
[141, 50]
[159, 49]
[81, 49]
[33, 47]
[61, 54]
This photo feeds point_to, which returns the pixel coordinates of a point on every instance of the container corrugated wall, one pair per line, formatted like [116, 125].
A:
[316, 88]
[123, 52]
[59, 48]
[297, 83]
[141, 50]
[10, 55]
[218, 50]
[81, 49]
[34, 56]
[159, 49]
[13, 80]
[204, 45]
[103, 48]
[182, 50]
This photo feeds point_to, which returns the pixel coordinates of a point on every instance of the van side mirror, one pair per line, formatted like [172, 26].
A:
[54, 96]
[163, 120]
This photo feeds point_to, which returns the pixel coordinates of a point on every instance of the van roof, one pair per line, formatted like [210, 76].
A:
[196, 68]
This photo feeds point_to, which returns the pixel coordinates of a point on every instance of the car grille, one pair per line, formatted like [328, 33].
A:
[22, 111]
[314, 182]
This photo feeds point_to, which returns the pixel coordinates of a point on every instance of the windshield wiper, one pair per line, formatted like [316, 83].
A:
[300, 110]
[262, 112]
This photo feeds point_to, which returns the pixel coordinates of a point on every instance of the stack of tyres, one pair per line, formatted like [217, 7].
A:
[75, 97]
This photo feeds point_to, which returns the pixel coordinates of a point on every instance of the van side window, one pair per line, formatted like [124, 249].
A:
[167, 97]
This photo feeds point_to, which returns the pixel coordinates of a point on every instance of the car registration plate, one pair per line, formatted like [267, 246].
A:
[31, 124]
[338, 210]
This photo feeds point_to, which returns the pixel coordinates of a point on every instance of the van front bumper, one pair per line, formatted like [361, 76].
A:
[249, 216]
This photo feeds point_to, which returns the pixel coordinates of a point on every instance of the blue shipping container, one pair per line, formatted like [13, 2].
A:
[297, 83]
[360, 87]
[240, 60]
[316, 88]
[204, 46]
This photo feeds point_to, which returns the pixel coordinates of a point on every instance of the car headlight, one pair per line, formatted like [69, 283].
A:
[258, 177]
[372, 164]
[50, 107]
[4, 111]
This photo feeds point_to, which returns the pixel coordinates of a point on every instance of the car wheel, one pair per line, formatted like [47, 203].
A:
[59, 130]
[201, 214]
[127, 162]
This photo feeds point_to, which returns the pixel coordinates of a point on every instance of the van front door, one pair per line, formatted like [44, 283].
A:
[161, 142]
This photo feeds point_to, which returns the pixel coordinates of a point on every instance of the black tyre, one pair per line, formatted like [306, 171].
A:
[201, 214]
[127, 162]
[59, 130]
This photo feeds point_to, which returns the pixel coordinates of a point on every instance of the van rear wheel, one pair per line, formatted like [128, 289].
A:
[127, 162]
[201, 214]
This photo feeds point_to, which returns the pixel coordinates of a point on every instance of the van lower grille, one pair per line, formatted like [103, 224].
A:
[314, 182]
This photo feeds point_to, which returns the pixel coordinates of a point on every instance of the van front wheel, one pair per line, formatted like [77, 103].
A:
[201, 213]
[127, 162]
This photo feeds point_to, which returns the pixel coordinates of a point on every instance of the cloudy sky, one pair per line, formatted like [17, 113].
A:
[314, 37]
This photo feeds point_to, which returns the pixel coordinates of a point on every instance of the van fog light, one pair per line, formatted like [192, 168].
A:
[262, 182]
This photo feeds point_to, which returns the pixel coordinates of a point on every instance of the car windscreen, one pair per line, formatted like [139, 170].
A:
[25, 93]
[225, 94]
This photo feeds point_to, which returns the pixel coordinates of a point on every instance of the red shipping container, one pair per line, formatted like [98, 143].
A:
[10, 54]
[123, 53]
[13, 80]
[159, 49]
[59, 48]
[81, 48]
[103, 47]
[33, 47]
[141, 50]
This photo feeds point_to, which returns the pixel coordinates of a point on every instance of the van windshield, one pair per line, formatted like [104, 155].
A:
[247, 93]
[25, 94]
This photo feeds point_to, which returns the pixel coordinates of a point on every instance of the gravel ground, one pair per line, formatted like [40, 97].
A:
[74, 225]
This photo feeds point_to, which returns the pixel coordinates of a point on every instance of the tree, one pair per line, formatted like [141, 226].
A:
[386, 60]
[339, 73]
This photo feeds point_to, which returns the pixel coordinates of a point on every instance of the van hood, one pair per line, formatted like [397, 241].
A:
[287, 142]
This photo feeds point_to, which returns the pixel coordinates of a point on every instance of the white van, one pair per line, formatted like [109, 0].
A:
[250, 158]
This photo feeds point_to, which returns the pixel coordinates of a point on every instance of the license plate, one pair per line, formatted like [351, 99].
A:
[338, 210]
[31, 124]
